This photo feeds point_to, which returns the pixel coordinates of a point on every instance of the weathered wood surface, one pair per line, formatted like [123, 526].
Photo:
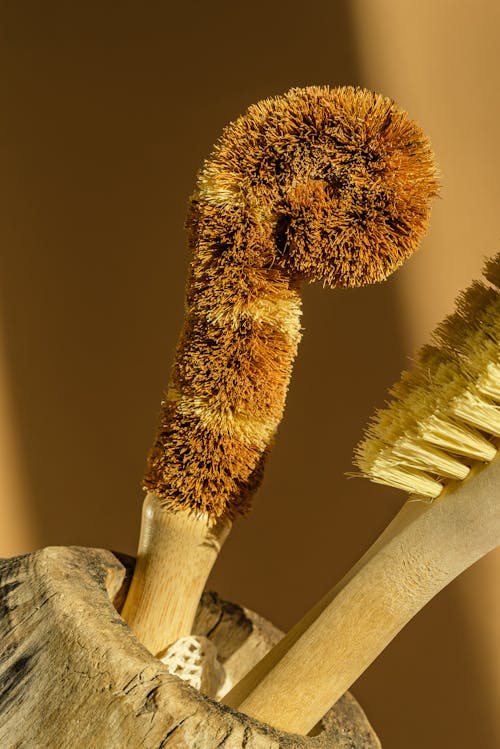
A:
[73, 675]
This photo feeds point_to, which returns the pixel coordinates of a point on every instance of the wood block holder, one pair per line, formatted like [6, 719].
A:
[72, 674]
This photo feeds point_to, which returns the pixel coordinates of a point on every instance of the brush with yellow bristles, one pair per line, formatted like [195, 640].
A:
[440, 412]
[319, 184]
[437, 439]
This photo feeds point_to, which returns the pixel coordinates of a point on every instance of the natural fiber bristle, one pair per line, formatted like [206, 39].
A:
[492, 270]
[332, 184]
[445, 414]
[318, 184]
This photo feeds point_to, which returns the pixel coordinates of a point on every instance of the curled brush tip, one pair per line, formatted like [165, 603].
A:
[329, 184]
[318, 184]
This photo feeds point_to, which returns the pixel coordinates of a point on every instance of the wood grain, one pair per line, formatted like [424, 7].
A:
[72, 673]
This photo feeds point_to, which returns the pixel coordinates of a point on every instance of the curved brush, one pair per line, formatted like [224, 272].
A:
[318, 184]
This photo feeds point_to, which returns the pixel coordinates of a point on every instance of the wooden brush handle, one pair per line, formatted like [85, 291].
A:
[176, 553]
[426, 546]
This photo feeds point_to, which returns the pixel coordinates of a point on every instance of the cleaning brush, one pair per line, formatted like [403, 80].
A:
[319, 184]
[437, 439]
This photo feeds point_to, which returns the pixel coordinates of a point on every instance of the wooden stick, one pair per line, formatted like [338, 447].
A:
[426, 546]
[176, 553]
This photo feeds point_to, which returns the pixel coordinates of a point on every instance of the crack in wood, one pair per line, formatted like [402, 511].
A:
[179, 724]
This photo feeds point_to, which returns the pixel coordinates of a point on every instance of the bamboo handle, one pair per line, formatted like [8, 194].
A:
[425, 547]
[176, 553]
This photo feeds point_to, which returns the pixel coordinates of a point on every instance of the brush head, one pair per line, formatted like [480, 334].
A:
[334, 182]
[329, 184]
[444, 415]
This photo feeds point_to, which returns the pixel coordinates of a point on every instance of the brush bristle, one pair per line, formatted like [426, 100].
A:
[445, 414]
[332, 184]
[318, 184]
[492, 270]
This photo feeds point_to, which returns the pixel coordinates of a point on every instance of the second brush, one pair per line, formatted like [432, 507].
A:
[437, 439]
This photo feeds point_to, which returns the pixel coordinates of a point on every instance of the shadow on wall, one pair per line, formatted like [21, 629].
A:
[108, 119]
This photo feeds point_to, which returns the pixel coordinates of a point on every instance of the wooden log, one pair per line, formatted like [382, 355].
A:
[72, 674]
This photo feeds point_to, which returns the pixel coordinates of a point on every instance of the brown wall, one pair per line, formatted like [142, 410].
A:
[108, 112]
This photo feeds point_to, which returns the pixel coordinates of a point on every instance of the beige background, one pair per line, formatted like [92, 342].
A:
[108, 110]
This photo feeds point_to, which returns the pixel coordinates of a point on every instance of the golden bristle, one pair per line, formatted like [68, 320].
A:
[318, 184]
[450, 403]
[454, 383]
[336, 183]
[460, 439]
[491, 270]
[376, 461]
[478, 313]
